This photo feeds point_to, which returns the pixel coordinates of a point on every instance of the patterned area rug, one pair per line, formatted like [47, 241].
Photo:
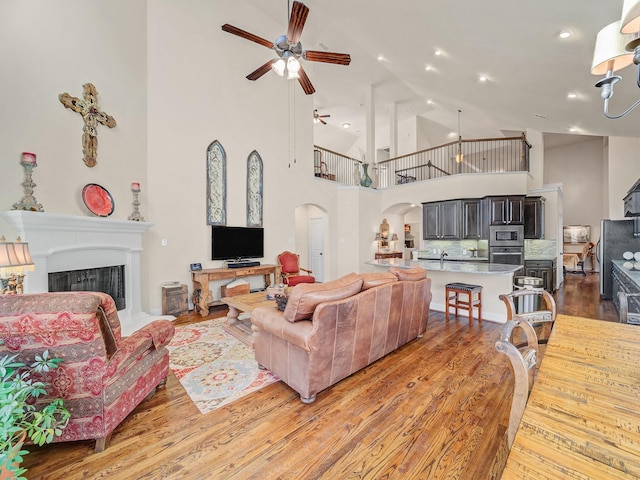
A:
[214, 367]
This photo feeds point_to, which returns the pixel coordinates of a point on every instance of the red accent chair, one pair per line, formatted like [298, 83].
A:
[290, 263]
[103, 376]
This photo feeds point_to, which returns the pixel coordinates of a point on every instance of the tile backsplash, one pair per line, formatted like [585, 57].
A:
[540, 249]
[454, 248]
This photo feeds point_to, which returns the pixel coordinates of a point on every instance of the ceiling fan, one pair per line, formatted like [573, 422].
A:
[317, 118]
[289, 50]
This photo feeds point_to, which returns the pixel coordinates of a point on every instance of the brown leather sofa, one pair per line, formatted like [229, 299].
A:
[330, 330]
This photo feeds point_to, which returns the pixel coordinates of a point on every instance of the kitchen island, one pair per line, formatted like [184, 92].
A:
[495, 278]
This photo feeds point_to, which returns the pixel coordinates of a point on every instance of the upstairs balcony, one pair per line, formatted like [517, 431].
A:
[489, 155]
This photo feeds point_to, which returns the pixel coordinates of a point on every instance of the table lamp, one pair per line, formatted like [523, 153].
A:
[15, 260]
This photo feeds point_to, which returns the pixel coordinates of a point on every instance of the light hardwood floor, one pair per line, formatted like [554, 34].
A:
[436, 408]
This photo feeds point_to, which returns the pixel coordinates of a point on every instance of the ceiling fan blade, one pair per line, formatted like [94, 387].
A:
[299, 13]
[249, 36]
[327, 57]
[322, 121]
[260, 71]
[304, 81]
[324, 116]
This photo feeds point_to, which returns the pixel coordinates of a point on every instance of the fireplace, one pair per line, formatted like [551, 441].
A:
[60, 243]
[109, 280]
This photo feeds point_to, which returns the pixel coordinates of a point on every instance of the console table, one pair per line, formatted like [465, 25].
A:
[201, 279]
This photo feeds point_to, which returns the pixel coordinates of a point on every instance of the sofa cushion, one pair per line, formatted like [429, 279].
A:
[414, 274]
[304, 298]
[370, 280]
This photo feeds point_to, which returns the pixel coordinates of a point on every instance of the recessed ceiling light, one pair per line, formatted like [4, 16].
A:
[381, 58]
[438, 52]
[572, 95]
[346, 125]
[573, 129]
[453, 134]
[428, 68]
[482, 78]
[430, 102]
[565, 34]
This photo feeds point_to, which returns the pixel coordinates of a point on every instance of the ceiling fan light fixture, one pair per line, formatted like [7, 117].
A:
[293, 65]
[278, 66]
[289, 48]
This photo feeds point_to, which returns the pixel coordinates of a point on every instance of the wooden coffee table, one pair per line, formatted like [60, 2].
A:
[240, 326]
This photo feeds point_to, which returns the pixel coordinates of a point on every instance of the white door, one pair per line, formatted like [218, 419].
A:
[316, 248]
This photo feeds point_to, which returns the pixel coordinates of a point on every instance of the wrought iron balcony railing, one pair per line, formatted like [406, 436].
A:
[492, 155]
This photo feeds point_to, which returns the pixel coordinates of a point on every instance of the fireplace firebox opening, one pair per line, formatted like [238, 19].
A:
[108, 280]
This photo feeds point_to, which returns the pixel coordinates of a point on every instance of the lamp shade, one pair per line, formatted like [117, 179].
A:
[15, 258]
[8, 258]
[24, 256]
[630, 21]
[394, 237]
[610, 52]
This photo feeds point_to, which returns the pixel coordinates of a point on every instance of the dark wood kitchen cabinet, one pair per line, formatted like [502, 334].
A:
[544, 269]
[506, 210]
[534, 217]
[441, 220]
[472, 225]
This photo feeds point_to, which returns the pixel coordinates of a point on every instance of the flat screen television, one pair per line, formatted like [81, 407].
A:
[236, 243]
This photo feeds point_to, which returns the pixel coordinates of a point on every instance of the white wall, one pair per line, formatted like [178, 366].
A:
[198, 93]
[577, 167]
[48, 48]
[623, 170]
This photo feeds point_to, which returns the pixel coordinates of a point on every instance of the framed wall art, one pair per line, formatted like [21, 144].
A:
[254, 190]
[216, 184]
[576, 233]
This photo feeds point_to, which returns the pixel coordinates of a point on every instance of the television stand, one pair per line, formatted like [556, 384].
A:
[201, 279]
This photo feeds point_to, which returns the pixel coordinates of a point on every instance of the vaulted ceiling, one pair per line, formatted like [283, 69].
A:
[514, 43]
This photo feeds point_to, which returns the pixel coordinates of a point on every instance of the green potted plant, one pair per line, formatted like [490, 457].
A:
[19, 418]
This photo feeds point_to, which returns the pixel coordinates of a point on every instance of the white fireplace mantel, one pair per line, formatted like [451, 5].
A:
[59, 242]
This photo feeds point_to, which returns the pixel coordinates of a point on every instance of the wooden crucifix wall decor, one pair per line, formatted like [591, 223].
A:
[91, 114]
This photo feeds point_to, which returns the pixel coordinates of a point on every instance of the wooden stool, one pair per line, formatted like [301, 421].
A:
[452, 292]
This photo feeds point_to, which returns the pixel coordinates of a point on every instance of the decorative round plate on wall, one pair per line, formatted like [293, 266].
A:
[98, 200]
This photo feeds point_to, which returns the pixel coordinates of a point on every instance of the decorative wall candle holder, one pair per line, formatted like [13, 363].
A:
[28, 162]
[136, 216]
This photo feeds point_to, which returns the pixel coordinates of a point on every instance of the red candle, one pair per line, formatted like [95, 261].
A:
[28, 157]
[135, 186]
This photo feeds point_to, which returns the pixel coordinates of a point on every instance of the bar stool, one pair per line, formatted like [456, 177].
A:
[453, 291]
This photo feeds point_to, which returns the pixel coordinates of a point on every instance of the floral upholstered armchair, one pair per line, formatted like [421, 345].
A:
[103, 376]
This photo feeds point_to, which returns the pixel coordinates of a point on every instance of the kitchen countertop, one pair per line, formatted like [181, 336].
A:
[540, 258]
[456, 259]
[633, 274]
[455, 267]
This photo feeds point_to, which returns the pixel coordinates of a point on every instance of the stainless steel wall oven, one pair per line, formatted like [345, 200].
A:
[506, 244]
